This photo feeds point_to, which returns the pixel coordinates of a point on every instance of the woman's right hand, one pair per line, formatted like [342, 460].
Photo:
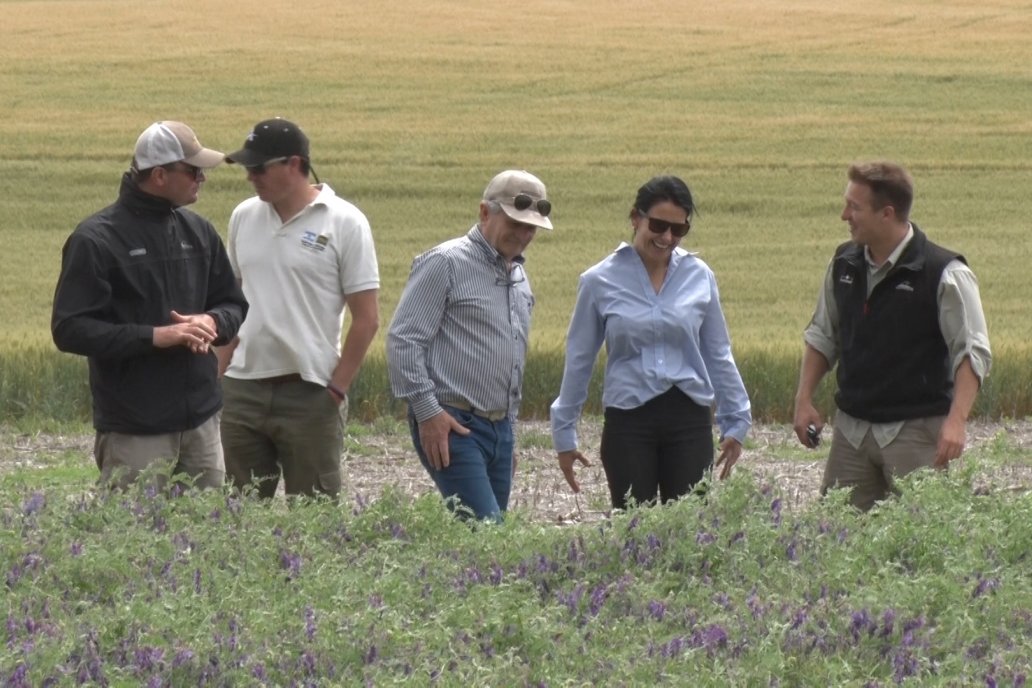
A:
[566, 461]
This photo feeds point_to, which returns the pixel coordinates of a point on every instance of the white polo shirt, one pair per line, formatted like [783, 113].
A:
[295, 275]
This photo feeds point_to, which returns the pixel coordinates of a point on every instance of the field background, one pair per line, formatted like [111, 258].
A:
[412, 106]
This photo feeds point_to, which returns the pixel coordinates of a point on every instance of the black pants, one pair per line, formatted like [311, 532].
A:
[666, 443]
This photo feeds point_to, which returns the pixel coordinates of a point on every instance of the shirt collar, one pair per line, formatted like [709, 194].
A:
[490, 252]
[894, 256]
[675, 257]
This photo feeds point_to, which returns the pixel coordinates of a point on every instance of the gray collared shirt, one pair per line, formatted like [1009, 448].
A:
[461, 328]
[961, 321]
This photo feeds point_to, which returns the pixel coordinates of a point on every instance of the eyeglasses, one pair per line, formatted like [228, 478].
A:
[657, 226]
[191, 171]
[263, 168]
[515, 276]
[523, 201]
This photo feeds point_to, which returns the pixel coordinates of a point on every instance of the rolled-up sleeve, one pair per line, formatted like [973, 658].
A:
[822, 332]
[962, 320]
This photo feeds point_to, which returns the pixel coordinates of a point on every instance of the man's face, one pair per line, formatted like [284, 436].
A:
[272, 181]
[180, 183]
[508, 237]
[866, 224]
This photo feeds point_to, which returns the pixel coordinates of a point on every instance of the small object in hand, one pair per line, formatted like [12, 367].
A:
[813, 435]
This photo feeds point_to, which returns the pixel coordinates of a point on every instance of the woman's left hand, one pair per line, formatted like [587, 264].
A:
[730, 450]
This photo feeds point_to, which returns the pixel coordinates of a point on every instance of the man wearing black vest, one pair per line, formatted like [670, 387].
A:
[903, 320]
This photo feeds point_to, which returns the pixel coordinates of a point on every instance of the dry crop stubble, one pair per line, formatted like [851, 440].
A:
[382, 458]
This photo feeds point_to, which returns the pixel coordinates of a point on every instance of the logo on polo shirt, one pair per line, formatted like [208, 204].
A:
[314, 242]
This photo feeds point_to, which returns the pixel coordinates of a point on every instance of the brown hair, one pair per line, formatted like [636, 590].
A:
[890, 184]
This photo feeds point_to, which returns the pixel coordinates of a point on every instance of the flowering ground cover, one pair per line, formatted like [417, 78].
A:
[732, 587]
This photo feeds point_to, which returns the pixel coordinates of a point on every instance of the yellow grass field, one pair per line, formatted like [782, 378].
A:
[411, 106]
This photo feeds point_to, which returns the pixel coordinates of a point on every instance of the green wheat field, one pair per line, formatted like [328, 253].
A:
[412, 106]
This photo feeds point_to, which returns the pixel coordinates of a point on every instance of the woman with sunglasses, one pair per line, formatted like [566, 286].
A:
[657, 309]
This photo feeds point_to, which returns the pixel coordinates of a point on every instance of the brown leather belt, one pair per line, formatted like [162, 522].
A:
[493, 416]
[280, 379]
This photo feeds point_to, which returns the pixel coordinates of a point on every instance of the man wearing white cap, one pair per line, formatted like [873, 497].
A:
[145, 290]
[457, 346]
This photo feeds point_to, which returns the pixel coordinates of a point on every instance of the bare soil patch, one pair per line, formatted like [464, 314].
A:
[375, 462]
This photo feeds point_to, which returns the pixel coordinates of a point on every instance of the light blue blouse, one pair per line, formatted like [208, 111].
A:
[653, 342]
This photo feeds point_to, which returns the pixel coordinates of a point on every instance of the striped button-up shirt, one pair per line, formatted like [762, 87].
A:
[460, 331]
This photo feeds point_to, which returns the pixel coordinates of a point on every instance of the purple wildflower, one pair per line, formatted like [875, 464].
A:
[598, 598]
[985, 585]
[183, 656]
[290, 562]
[657, 610]
[888, 621]
[861, 622]
[371, 654]
[148, 658]
[704, 538]
[775, 511]
[34, 504]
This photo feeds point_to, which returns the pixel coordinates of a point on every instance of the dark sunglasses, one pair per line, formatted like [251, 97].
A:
[189, 170]
[264, 167]
[657, 226]
[523, 201]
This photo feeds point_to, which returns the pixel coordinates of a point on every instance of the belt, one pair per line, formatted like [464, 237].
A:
[493, 416]
[280, 379]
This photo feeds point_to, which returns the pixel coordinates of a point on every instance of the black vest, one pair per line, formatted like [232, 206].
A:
[893, 364]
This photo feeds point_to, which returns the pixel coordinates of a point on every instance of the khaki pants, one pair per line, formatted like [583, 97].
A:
[196, 453]
[294, 429]
[869, 470]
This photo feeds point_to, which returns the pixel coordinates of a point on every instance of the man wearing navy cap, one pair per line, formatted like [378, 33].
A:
[302, 254]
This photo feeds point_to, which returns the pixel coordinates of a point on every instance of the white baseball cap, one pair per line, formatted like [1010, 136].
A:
[165, 142]
[523, 197]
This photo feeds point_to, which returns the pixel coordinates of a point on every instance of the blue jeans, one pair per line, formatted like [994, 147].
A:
[479, 474]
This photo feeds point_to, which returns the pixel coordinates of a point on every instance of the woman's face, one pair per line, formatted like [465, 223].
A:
[658, 246]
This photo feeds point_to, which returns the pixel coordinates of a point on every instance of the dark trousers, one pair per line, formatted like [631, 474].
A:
[665, 444]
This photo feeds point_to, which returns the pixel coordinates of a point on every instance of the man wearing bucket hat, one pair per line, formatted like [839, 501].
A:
[457, 346]
[302, 254]
[145, 290]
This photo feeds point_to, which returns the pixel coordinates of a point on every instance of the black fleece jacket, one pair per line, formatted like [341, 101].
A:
[123, 271]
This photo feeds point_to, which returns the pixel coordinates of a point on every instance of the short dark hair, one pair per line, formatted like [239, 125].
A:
[890, 184]
[664, 188]
[138, 175]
